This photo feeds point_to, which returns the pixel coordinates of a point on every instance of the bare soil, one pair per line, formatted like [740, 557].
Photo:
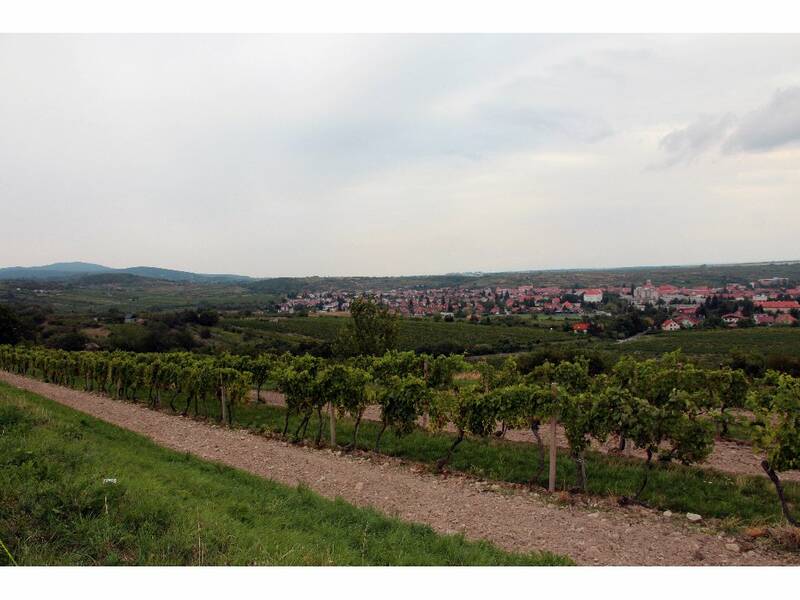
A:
[735, 458]
[591, 532]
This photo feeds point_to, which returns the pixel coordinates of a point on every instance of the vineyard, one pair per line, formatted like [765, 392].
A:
[719, 343]
[422, 335]
[668, 407]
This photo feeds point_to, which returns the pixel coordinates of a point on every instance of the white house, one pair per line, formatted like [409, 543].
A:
[594, 296]
[670, 325]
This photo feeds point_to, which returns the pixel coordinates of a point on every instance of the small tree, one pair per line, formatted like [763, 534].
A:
[526, 406]
[727, 389]
[582, 420]
[12, 329]
[469, 410]
[261, 368]
[776, 429]
[498, 377]
[402, 401]
[296, 377]
[345, 388]
[577, 411]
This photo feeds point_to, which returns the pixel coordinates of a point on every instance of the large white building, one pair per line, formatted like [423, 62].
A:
[645, 294]
[594, 296]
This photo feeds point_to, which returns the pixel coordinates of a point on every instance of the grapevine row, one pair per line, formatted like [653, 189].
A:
[668, 407]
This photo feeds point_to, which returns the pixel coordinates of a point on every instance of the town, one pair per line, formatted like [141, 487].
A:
[765, 302]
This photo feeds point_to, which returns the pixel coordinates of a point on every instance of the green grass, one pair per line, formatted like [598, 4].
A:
[169, 508]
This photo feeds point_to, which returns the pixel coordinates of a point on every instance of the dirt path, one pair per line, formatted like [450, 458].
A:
[731, 457]
[507, 516]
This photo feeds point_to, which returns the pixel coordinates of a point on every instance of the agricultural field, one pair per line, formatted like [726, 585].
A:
[738, 498]
[130, 294]
[167, 508]
[423, 334]
[717, 343]
[437, 429]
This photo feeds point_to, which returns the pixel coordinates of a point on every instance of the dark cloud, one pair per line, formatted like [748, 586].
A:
[772, 126]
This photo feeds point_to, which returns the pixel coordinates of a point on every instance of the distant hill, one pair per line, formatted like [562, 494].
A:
[72, 270]
[684, 275]
[78, 273]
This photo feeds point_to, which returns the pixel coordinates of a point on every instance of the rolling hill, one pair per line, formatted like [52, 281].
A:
[69, 270]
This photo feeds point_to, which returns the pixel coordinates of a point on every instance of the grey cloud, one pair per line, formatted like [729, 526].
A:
[686, 143]
[292, 155]
[772, 126]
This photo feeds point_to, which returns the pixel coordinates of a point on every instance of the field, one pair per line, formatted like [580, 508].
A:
[709, 347]
[168, 508]
[423, 334]
[134, 294]
[717, 343]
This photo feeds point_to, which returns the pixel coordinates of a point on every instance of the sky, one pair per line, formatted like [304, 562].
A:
[296, 155]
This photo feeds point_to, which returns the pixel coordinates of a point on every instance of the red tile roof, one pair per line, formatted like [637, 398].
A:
[778, 304]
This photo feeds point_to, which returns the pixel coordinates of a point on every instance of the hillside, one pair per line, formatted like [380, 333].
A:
[68, 270]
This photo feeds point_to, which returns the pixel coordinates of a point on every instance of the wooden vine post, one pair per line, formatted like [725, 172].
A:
[551, 482]
[332, 414]
[425, 377]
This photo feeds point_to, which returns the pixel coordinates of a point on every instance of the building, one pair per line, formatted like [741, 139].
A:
[594, 296]
[687, 321]
[763, 319]
[732, 319]
[773, 282]
[785, 319]
[580, 328]
[779, 306]
[670, 325]
[645, 294]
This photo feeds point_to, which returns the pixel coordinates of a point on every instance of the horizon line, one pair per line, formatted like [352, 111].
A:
[474, 273]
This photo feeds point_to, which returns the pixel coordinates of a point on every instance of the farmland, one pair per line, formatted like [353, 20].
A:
[510, 517]
[717, 344]
[97, 294]
[741, 499]
[423, 334]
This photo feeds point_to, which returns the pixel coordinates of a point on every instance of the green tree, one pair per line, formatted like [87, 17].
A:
[261, 368]
[402, 401]
[345, 387]
[297, 379]
[11, 328]
[776, 429]
[371, 331]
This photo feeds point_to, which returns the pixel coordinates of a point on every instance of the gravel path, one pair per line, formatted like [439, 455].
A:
[732, 457]
[509, 517]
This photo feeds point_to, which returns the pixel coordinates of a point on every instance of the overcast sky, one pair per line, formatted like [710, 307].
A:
[388, 155]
